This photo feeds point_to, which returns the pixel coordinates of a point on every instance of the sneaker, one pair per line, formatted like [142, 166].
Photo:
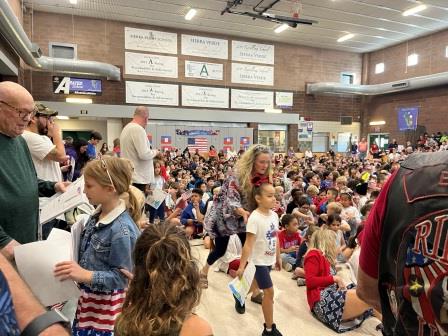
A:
[258, 298]
[273, 332]
[240, 309]
[301, 282]
[287, 267]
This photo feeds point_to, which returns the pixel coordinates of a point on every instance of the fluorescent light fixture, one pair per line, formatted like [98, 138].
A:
[281, 28]
[78, 100]
[73, 2]
[377, 123]
[379, 68]
[415, 10]
[272, 110]
[412, 59]
[346, 37]
[191, 13]
[446, 51]
[62, 117]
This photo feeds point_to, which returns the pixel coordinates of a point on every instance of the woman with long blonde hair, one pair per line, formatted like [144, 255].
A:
[233, 204]
[330, 300]
[165, 288]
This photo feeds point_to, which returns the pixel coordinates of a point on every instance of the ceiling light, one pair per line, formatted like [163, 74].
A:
[379, 68]
[62, 117]
[73, 2]
[377, 123]
[191, 13]
[346, 37]
[78, 100]
[414, 10]
[281, 28]
[412, 59]
[272, 110]
[446, 51]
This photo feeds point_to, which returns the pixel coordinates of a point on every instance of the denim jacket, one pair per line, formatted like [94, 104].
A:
[106, 247]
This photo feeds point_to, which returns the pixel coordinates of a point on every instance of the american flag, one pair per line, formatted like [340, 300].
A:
[228, 141]
[200, 144]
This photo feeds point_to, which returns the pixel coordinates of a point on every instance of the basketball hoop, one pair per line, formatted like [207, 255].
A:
[296, 8]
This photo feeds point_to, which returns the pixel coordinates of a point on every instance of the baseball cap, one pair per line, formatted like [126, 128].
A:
[42, 109]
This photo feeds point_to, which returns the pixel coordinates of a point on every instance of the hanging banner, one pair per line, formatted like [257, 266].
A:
[407, 118]
[305, 131]
[196, 132]
[252, 52]
[150, 65]
[202, 96]
[252, 74]
[150, 40]
[252, 100]
[204, 46]
[152, 93]
[284, 99]
[204, 70]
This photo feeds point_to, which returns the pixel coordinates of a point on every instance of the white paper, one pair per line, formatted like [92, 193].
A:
[152, 93]
[36, 262]
[284, 99]
[204, 70]
[204, 46]
[156, 199]
[150, 65]
[57, 205]
[202, 96]
[252, 100]
[240, 287]
[76, 231]
[253, 52]
[150, 40]
[252, 74]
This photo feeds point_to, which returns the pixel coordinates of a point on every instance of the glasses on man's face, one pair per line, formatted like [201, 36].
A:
[22, 113]
[104, 165]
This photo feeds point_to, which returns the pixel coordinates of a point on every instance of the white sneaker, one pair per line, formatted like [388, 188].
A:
[301, 282]
[287, 267]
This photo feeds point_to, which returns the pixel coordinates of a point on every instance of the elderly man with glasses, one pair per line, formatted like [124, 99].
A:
[20, 187]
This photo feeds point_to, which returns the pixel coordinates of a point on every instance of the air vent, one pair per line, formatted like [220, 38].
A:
[63, 50]
[400, 85]
[346, 120]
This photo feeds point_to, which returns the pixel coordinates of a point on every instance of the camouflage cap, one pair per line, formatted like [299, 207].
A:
[42, 109]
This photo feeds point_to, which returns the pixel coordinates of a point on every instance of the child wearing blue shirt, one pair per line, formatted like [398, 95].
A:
[192, 216]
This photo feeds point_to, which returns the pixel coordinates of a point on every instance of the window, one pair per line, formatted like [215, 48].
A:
[273, 136]
[379, 68]
[412, 59]
[62, 50]
[347, 78]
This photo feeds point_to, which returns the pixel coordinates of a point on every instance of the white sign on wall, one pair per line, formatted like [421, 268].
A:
[284, 99]
[204, 70]
[204, 46]
[202, 96]
[152, 93]
[252, 74]
[150, 40]
[252, 100]
[150, 65]
[252, 52]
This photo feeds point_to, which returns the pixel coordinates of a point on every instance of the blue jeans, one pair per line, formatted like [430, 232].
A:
[289, 258]
[159, 212]
[362, 156]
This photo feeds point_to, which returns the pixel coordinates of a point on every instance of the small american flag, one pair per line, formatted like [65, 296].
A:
[228, 141]
[200, 144]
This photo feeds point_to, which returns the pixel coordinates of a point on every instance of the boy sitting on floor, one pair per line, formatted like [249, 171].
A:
[192, 216]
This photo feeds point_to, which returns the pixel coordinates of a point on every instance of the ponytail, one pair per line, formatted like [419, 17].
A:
[135, 201]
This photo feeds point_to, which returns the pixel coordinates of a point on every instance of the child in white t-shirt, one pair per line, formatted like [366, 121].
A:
[263, 249]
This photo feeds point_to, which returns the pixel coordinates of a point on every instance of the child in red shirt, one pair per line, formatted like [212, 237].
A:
[289, 241]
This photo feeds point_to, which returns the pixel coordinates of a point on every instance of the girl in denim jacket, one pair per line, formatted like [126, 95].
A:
[106, 244]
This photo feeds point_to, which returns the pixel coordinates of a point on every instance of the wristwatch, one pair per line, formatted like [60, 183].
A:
[42, 322]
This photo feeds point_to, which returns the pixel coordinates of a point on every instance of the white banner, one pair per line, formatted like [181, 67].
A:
[202, 96]
[150, 65]
[284, 99]
[252, 100]
[252, 74]
[252, 52]
[152, 93]
[204, 70]
[150, 40]
[204, 46]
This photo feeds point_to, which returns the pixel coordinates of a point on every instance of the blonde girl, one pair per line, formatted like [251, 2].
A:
[334, 304]
[106, 244]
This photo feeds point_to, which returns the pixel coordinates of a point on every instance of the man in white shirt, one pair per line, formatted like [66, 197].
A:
[135, 146]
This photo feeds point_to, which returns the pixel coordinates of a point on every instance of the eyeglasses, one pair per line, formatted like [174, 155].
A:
[104, 165]
[22, 113]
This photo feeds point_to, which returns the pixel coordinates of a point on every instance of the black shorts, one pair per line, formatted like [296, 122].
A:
[263, 277]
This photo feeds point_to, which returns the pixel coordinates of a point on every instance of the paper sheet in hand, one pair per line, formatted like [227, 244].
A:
[156, 199]
[36, 262]
[240, 287]
[73, 197]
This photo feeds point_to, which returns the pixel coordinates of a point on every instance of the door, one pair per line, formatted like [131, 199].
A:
[320, 142]
[381, 139]
[77, 135]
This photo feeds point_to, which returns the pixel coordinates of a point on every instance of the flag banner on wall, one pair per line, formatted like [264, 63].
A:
[227, 149]
[228, 140]
[165, 142]
[407, 118]
[196, 132]
[244, 143]
[201, 144]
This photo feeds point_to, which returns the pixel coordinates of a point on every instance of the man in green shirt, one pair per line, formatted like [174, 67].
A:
[19, 187]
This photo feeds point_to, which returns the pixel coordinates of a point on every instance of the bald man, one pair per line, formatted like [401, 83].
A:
[20, 189]
[135, 146]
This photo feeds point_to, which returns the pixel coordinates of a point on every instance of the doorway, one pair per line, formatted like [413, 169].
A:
[381, 139]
